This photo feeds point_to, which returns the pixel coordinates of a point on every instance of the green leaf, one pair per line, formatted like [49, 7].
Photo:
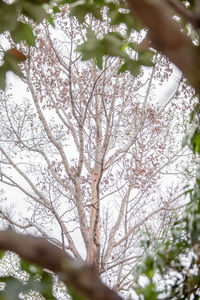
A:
[118, 18]
[47, 286]
[2, 78]
[100, 3]
[192, 114]
[30, 268]
[23, 32]
[39, 2]
[33, 11]
[112, 44]
[11, 64]
[51, 20]
[145, 58]
[56, 10]
[13, 288]
[132, 66]
[2, 253]
[195, 141]
[3, 71]
[44, 279]
[8, 16]
[148, 292]
[81, 10]
[62, 2]
[92, 48]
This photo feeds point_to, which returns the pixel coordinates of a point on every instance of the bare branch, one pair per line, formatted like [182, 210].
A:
[132, 229]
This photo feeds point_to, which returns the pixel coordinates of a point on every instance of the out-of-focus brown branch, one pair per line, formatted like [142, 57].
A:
[192, 17]
[75, 273]
[166, 36]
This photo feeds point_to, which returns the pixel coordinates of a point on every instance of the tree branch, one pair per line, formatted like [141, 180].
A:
[166, 36]
[75, 273]
[190, 16]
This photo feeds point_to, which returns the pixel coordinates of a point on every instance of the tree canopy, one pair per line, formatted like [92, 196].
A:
[173, 38]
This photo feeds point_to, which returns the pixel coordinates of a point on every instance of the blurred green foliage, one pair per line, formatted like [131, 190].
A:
[36, 280]
[113, 43]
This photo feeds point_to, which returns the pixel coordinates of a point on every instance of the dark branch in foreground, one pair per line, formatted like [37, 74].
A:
[167, 37]
[75, 273]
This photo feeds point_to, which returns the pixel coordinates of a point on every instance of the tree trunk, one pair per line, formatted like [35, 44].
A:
[93, 255]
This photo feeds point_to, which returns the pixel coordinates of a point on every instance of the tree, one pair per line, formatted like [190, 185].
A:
[121, 143]
[186, 44]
